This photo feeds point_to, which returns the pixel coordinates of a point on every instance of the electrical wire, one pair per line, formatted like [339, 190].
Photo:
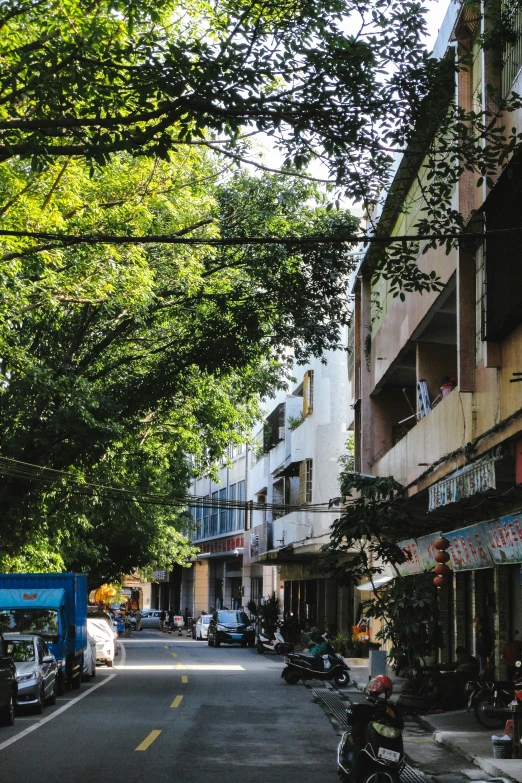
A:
[27, 471]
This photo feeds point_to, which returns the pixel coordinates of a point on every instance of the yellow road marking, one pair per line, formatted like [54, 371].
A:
[174, 655]
[147, 742]
[166, 646]
[177, 701]
[184, 678]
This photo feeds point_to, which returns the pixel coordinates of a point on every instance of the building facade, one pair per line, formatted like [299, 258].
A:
[438, 405]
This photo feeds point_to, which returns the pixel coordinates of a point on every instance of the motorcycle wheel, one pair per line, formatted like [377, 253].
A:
[383, 777]
[291, 678]
[342, 679]
[490, 721]
[260, 648]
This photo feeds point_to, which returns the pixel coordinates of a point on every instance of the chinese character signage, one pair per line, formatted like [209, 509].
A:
[413, 565]
[426, 547]
[221, 545]
[469, 548]
[504, 537]
[478, 477]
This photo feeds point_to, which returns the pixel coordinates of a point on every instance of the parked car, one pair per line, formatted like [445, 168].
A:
[200, 628]
[230, 627]
[105, 640]
[8, 683]
[36, 670]
[150, 618]
[89, 658]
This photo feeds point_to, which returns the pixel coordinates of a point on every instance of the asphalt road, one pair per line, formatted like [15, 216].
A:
[176, 709]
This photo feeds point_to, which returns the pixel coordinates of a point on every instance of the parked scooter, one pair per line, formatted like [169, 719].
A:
[490, 699]
[328, 665]
[372, 750]
[274, 642]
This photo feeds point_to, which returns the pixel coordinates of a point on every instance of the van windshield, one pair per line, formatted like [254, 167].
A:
[43, 622]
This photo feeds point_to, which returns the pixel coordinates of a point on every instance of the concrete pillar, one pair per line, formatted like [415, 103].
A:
[502, 585]
[201, 587]
[459, 614]
[330, 604]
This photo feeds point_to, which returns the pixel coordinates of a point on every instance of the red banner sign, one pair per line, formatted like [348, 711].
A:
[221, 545]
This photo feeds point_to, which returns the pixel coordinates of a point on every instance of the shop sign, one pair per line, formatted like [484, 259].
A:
[414, 563]
[223, 545]
[478, 477]
[159, 575]
[504, 537]
[469, 548]
[427, 551]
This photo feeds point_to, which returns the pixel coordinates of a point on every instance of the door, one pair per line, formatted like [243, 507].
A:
[46, 668]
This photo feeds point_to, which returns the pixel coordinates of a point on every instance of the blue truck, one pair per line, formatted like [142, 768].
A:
[54, 606]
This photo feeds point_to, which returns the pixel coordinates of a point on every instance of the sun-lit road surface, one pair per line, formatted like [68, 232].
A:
[176, 709]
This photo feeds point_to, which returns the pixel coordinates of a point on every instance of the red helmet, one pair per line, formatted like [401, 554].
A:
[381, 684]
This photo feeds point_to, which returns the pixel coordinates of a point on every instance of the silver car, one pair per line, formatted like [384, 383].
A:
[202, 626]
[150, 618]
[36, 670]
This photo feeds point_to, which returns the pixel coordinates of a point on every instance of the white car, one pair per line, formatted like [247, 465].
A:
[105, 640]
[202, 626]
[89, 658]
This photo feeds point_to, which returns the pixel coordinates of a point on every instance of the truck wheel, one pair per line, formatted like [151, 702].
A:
[60, 684]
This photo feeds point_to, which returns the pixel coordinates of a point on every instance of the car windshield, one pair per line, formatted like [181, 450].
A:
[233, 617]
[43, 622]
[23, 651]
[99, 628]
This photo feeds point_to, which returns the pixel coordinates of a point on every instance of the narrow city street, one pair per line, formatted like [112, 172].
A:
[176, 708]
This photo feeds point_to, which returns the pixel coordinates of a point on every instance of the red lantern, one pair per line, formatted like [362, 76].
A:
[441, 557]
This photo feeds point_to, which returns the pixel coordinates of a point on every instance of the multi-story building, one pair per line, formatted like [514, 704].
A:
[437, 399]
[294, 471]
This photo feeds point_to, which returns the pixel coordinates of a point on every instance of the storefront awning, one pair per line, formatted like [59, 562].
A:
[379, 581]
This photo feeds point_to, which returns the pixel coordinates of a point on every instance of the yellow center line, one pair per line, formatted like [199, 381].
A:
[177, 701]
[166, 646]
[184, 678]
[174, 655]
[147, 742]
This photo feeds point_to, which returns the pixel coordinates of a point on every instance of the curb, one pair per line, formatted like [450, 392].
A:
[483, 762]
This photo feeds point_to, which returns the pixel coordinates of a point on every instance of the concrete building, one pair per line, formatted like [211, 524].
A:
[437, 402]
[296, 464]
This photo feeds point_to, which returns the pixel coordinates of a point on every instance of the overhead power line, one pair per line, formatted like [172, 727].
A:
[326, 239]
[68, 482]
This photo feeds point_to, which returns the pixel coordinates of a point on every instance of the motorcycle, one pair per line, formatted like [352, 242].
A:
[372, 750]
[488, 700]
[329, 665]
[272, 643]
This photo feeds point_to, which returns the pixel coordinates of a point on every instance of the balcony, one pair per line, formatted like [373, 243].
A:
[445, 429]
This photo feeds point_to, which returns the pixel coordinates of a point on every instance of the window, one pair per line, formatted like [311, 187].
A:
[199, 517]
[232, 512]
[241, 496]
[206, 514]
[512, 59]
[214, 515]
[274, 429]
[308, 393]
[223, 511]
[305, 481]
[351, 348]
[256, 588]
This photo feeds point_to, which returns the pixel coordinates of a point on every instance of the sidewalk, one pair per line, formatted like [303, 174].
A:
[458, 731]
[461, 733]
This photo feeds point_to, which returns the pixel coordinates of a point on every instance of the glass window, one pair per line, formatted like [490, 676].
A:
[232, 512]
[240, 515]
[206, 518]
[223, 511]
[43, 622]
[199, 519]
[214, 514]
[232, 617]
